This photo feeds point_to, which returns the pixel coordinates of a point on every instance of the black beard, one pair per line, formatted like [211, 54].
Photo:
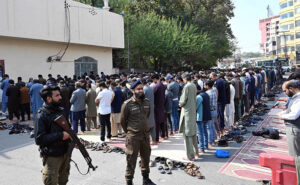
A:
[139, 96]
[290, 94]
[56, 104]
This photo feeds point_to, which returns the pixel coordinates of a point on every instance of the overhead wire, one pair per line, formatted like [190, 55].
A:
[68, 28]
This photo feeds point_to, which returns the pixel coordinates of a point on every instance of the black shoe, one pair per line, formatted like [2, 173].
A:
[222, 143]
[147, 181]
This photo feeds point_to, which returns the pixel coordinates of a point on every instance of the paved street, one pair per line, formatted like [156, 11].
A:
[20, 165]
[19, 155]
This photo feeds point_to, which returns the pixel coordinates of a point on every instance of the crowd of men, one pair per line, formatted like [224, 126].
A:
[202, 105]
[210, 102]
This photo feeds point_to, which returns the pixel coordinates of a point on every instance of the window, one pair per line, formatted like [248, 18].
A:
[268, 29]
[284, 28]
[268, 34]
[297, 10]
[297, 23]
[298, 35]
[277, 22]
[287, 27]
[298, 47]
[287, 15]
[284, 5]
[274, 43]
[288, 38]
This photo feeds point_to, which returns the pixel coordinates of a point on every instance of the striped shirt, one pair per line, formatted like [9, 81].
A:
[213, 99]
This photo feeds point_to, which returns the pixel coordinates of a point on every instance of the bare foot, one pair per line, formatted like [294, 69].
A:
[187, 159]
[154, 143]
[201, 152]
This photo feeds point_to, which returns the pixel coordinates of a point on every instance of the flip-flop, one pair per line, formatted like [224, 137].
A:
[199, 175]
[105, 150]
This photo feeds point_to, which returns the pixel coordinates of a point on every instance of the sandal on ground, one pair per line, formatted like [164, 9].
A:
[199, 175]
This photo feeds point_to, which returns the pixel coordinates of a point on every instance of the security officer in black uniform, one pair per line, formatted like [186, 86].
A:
[134, 120]
[52, 140]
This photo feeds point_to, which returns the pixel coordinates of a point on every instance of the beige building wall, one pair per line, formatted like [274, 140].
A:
[46, 20]
[27, 58]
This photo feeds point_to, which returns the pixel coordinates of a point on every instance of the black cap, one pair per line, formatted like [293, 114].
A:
[136, 83]
[155, 76]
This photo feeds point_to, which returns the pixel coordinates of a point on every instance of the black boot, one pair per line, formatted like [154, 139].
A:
[147, 181]
[129, 182]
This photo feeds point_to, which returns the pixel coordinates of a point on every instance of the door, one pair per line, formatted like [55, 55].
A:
[85, 65]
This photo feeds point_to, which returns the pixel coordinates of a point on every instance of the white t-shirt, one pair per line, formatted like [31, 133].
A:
[105, 97]
[98, 90]
[200, 83]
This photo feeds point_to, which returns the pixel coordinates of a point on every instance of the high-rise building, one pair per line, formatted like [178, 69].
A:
[289, 28]
[270, 40]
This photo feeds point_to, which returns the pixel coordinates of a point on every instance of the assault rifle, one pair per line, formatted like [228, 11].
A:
[64, 124]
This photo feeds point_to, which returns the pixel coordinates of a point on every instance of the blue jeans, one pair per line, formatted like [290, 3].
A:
[257, 93]
[202, 135]
[4, 106]
[174, 115]
[211, 130]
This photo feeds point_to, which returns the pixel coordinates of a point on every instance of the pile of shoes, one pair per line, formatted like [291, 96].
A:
[252, 119]
[270, 95]
[97, 146]
[165, 166]
[230, 137]
[269, 132]
[3, 126]
[238, 130]
[16, 128]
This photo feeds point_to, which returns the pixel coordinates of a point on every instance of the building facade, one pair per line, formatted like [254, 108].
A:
[51, 36]
[289, 28]
[270, 40]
